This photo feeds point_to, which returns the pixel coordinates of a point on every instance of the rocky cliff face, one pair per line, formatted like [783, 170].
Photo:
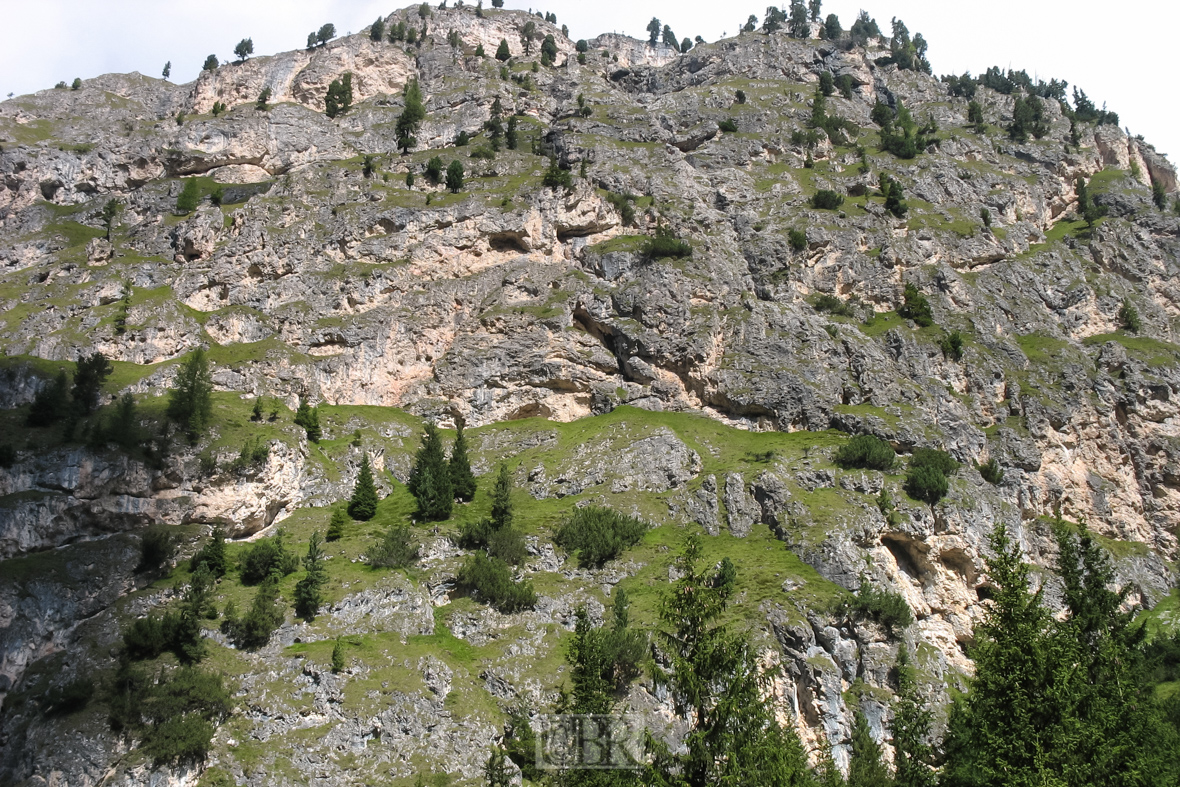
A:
[511, 301]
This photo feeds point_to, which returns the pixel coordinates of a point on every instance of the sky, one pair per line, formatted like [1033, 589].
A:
[1108, 51]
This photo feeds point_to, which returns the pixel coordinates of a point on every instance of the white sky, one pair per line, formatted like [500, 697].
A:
[1120, 54]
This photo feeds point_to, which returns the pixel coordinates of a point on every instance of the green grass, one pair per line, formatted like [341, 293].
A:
[1152, 351]
[1041, 349]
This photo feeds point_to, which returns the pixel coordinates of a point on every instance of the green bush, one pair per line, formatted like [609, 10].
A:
[915, 307]
[190, 197]
[625, 205]
[888, 609]
[395, 548]
[263, 618]
[865, 451]
[729, 126]
[951, 345]
[991, 471]
[484, 152]
[926, 478]
[267, 556]
[157, 547]
[740, 95]
[665, 244]
[797, 240]
[826, 199]
[556, 177]
[833, 305]
[596, 535]
[434, 170]
[508, 544]
[1129, 317]
[173, 714]
[491, 578]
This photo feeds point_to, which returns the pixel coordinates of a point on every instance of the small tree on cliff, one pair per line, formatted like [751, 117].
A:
[363, 504]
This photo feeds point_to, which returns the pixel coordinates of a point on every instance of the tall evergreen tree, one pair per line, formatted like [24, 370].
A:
[309, 590]
[362, 505]
[865, 768]
[430, 480]
[502, 499]
[411, 117]
[717, 687]
[309, 418]
[190, 402]
[910, 729]
[502, 52]
[797, 22]
[89, 376]
[212, 555]
[336, 525]
[462, 479]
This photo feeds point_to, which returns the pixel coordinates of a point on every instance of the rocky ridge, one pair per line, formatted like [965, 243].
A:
[511, 301]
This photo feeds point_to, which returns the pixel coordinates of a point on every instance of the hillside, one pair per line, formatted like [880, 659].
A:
[637, 298]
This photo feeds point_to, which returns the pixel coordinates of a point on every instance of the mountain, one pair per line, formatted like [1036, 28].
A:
[681, 291]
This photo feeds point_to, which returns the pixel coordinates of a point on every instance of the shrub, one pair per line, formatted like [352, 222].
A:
[624, 204]
[797, 240]
[434, 170]
[729, 126]
[51, 403]
[986, 216]
[740, 96]
[865, 451]
[70, 698]
[211, 63]
[596, 535]
[502, 53]
[267, 556]
[484, 152]
[915, 307]
[833, 305]
[926, 478]
[157, 547]
[190, 197]
[665, 244]
[888, 609]
[827, 84]
[395, 548]
[173, 714]
[212, 556]
[992, 472]
[826, 199]
[491, 578]
[507, 544]
[1129, 317]
[145, 638]
[556, 177]
[951, 345]
[263, 618]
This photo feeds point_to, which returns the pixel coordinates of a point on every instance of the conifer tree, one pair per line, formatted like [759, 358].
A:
[309, 418]
[51, 403]
[462, 479]
[362, 505]
[212, 556]
[308, 591]
[190, 403]
[377, 31]
[89, 376]
[336, 525]
[430, 480]
[411, 118]
[338, 663]
[502, 53]
[910, 729]
[865, 768]
[502, 499]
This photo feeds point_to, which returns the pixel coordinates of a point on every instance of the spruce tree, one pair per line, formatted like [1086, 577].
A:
[338, 663]
[336, 525]
[502, 499]
[910, 729]
[865, 768]
[89, 375]
[308, 591]
[362, 505]
[502, 53]
[212, 556]
[309, 418]
[190, 402]
[462, 479]
[430, 480]
[411, 117]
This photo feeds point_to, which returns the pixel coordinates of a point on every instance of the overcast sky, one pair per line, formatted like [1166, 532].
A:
[1112, 51]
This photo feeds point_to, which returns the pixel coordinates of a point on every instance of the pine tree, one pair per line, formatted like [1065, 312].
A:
[377, 31]
[362, 505]
[256, 411]
[462, 479]
[89, 375]
[502, 499]
[212, 556]
[308, 591]
[189, 197]
[244, 49]
[910, 729]
[336, 525]
[653, 31]
[338, 663]
[190, 402]
[309, 418]
[455, 176]
[495, 771]
[865, 768]
[411, 117]
[168, 69]
[502, 53]
[430, 480]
